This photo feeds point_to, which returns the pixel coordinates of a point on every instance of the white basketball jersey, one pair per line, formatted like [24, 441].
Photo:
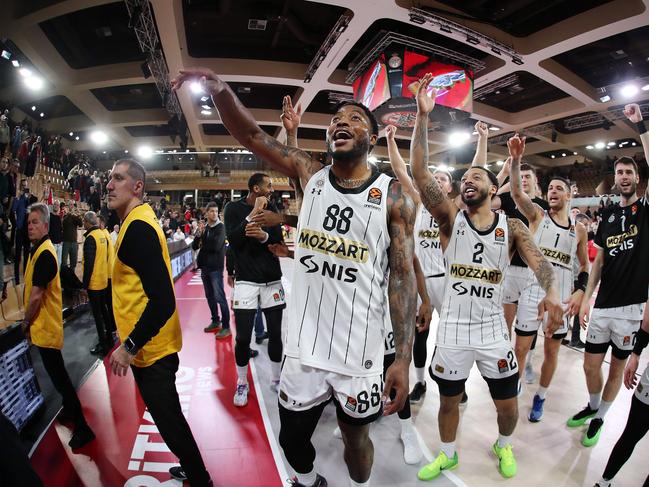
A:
[336, 319]
[428, 248]
[476, 263]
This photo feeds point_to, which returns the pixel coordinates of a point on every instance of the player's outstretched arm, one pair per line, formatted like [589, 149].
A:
[243, 127]
[579, 287]
[432, 196]
[399, 166]
[520, 239]
[480, 157]
[402, 293]
[523, 202]
[634, 114]
[593, 282]
[641, 341]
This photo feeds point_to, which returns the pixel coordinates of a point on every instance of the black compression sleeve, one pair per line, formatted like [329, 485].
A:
[641, 341]
[140, 250]
[642, 128]
[582, 281]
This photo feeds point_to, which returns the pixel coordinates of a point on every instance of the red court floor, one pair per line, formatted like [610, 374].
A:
[128, 450]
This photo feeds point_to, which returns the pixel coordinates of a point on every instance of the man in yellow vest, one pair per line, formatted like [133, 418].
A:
[95, 280]
[44, 318]
[144, 306]
[108, 296]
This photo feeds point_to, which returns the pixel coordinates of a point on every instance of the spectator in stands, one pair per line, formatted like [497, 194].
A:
[93, 199]
[71, 223]
[174, 221]
[56, 230]
[44, 319]
[210, 241]
[114, 233]
[19, 218]
[178, 235]
[588, 213]
[95, 280]
[4, 135]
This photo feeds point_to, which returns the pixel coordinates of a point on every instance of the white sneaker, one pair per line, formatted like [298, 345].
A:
[337, 433]
[411, 451]
[274, 385]
[530, 376]
[241, 396]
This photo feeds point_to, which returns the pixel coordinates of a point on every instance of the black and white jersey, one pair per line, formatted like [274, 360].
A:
[337, 304]
[428, 248]
[623, 236]
[476, 262]
[508, 205]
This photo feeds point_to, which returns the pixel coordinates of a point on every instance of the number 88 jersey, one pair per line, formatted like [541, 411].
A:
[336, 307]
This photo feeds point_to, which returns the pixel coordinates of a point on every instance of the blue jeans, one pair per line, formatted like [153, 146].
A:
[213, 285]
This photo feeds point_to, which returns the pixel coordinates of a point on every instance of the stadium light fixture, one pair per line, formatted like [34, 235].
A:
[600, 145]
[145, 152]
[456, 139]
[99, 137]
[629, 91]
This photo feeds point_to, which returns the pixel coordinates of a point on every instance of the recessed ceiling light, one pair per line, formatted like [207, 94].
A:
[633, 144]
[125, 151]
[42, 114]
[33, 83]
[206, 107]
[71, 134]
[552, 156]
[33, 108]
[600, 145]
[145, 152]
[628, 91]
[456, 139]
[15, 63]
[574, 153]
[589, 147]
[76, 138]
[604, 98]
[495, 129]
[196, 88]
[206, 112]
[563, 154]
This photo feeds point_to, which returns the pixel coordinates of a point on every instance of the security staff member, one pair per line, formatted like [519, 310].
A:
[44, 318]
[95, 279]
[148, 326]
[108, 296]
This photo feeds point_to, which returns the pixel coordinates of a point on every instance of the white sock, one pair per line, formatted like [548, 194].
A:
[448, 449]
[307, 478]
[275, 368]
[530, 356]
[359, 484]
[420, 372]
[503, 441]
[242, 374]
[406, 426]
[603, 482]
[595, 400]
[541, 391]
[603, 409]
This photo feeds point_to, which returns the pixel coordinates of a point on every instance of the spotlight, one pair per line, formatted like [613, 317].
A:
[633, 144]
[206, 107]
[574, 153]
[552, 156]
[205, 98]
[6, 55]
[125, 151]
[457, 139]
[563, 154]
[600, 145]
[42, 114]
[33, 83]
[24, 72]
[71, 134]
[33, 108]
[196, 88]
[145, 152]
[628, 91]
[206, 112]
[99, 137]
[500, 163]
[76, 138]
[16, 63]
[495, 129]
[645, 88]
[442, 167]
[590, 147]
[103, 152]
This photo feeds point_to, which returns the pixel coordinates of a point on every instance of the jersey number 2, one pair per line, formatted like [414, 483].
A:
[479, 249]
[338, 219]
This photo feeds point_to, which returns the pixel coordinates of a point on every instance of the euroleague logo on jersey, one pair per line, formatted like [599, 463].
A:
[374, 195]
[499, 234]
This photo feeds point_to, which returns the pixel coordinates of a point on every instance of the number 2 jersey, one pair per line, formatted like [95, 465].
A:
[337, 305]
[476, 262]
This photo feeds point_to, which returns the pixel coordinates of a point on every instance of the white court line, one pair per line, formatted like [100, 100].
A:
[430, 458]
[277, 456]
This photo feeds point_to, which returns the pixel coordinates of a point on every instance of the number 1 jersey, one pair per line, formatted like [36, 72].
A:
[339, 285]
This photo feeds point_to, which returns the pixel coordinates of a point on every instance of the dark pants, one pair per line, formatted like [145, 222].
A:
[419, 348]
[215, 294]
[53, 363]
[22, 247]
[574, 337]
[157, 385]
[14, 462]
[108, 304]
[100, 314]
[405, 410]
[70, 254]
[245, 319]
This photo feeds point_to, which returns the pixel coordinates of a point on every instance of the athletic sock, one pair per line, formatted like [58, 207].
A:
[448, 449]
[359, 484]
[406, 426]
[541, 391]
[307, 479]
[603, 482]
[242, 374]
[503, 441]
[603, 409]
[275, 368]
[595, 400]
[420, 372]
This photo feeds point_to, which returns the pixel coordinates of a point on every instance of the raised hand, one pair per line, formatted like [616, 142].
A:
[208, 79]
[261, 202]
[290, 116]
[425, 103]
[482, 129]
[516, 146]
[633, 113]
[390, 131]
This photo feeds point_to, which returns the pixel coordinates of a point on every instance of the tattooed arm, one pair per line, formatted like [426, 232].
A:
[520, 239]
[399, 166]
[525, 205]
[241, 124]
[402, 292]
[432, 195]
[425, 313]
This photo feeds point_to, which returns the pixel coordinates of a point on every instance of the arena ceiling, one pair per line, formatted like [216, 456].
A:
[567, 52]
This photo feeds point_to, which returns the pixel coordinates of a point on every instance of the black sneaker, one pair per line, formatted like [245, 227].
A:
[82, 436]
[260, 339]
[464, 399]
[593, 433]
[320, 481]
[581, 417]
[579, 345]
[253, 353]
[418, 392]
[99, 350]
[178, 473]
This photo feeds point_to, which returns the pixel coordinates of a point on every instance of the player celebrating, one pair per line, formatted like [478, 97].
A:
[477, 246]
[621, 264]
[354, 225]
[560, 239]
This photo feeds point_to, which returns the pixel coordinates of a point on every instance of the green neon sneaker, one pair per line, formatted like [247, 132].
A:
[442, 462]
[591, 437]
[506, 460]
[581, 417]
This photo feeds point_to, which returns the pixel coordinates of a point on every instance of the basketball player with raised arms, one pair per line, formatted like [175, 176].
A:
[477, 245]
[355, 225]
[622, 260]
[561, 240]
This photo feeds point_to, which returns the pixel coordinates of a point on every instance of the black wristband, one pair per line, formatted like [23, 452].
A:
[641, 341]
[582, 281]
[642, 129]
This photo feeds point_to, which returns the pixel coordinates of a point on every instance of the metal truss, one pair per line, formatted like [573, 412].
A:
[495, 86]
[332, 37]
[594, 119]
[536, 130]
[143, 23]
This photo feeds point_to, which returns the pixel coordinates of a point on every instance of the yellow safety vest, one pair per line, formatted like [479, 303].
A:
[47, 328]
[99, 276]
[111, 253]
[129, 298]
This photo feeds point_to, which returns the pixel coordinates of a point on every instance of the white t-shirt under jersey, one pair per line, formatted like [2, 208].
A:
[339, 284]
[476, 262]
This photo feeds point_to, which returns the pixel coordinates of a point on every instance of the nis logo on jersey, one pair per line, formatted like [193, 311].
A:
[329, 269]
[333, 245]
[620, 242]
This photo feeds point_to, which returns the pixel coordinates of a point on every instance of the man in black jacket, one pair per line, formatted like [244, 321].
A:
[258, 279]
[210, 239]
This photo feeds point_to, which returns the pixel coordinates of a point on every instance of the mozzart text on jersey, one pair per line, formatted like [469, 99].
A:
[333, 245]
[490, 276]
